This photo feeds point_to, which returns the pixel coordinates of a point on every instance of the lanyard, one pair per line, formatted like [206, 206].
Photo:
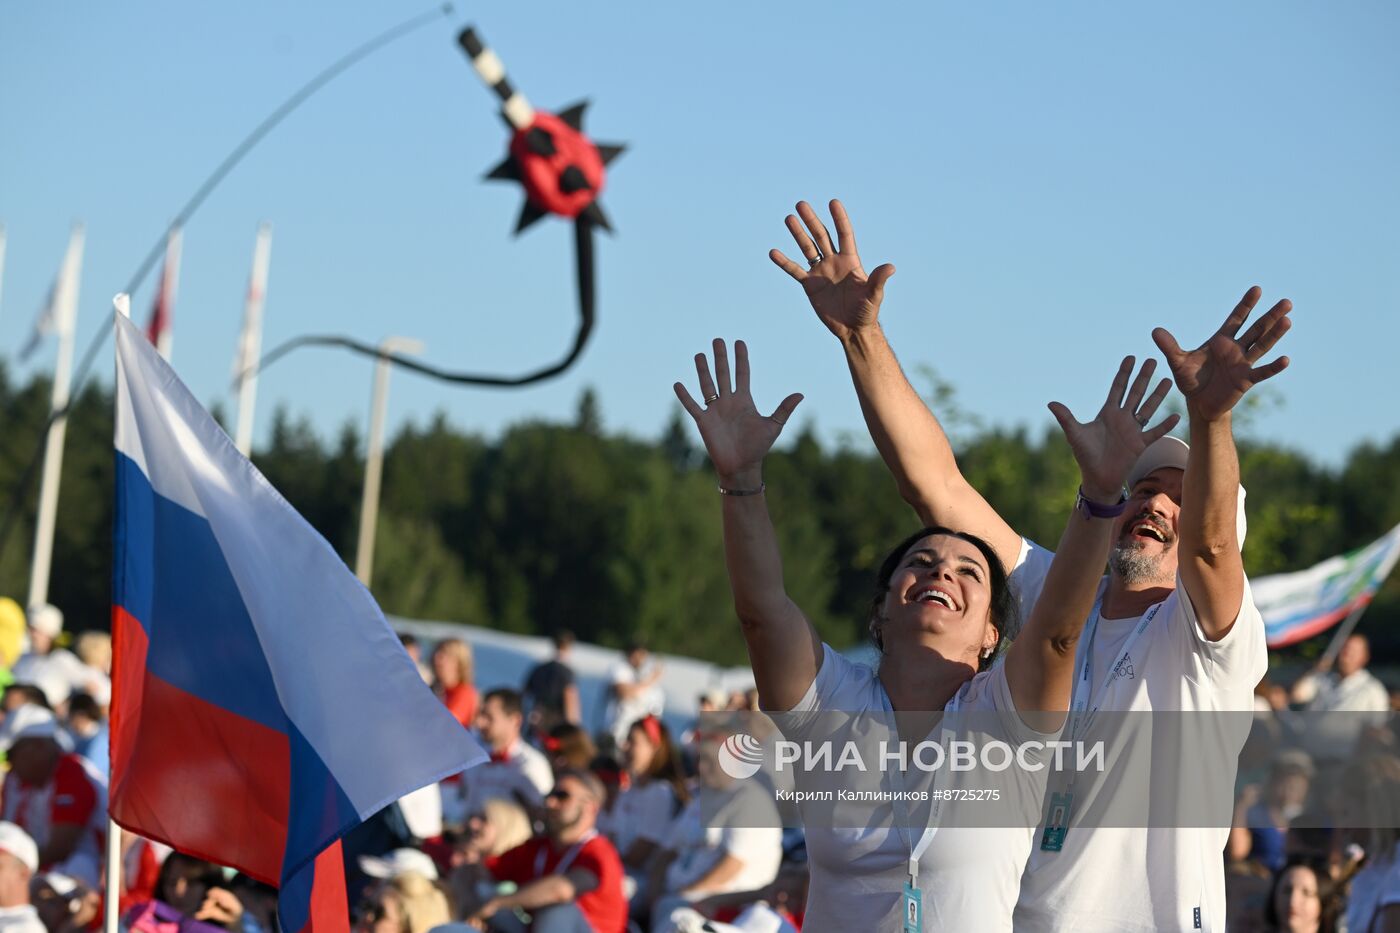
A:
[917, 849]
[568, 858]
[1080, 715]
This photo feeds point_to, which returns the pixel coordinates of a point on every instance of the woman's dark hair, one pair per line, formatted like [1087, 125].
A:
[570, 743]
[1329, 894]
[666, 764]
[192, 871]
[1000, 609]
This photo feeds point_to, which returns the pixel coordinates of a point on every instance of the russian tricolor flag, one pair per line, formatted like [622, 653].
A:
[262, 707]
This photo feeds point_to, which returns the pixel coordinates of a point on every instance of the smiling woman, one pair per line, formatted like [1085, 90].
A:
[940, 612]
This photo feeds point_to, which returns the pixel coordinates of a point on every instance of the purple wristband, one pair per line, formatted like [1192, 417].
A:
[1092, 509]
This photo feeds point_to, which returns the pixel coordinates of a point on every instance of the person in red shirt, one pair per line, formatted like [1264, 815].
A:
[452, 669]
[52, 794]
[570, 878]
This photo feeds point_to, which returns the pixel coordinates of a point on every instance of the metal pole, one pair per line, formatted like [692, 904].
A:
[374, 456]
[1334, 647]
[113, 889]
[66, 310]
[250, 344]
[2, 256]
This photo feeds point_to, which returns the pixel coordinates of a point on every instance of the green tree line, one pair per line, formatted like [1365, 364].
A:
[566, 525]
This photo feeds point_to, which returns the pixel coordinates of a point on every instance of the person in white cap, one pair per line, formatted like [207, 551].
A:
[55, 670]
[1180, 529]
[52, 794]
[19, 860]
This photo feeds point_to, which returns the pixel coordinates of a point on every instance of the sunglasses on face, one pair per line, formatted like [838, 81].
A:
[559, 796]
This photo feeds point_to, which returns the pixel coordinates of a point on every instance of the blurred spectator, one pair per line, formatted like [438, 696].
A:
[415, 653]
[516, 771]
[95, 650]
[568, 746]
[52, 794]
[452, 667]
[17, 695]
[1349, 689]
[379, 910]
[12, 627]
[1262, 820]
[635, 692]
[259, 904]
[726, 839]
[407, 882]
[141, 860]
[551, 690]
[498, 828]
[19, 860]
[1368, 803]
[570, 878]
[64, 904]
[50, 668]
[1303, 899]
[656, 790]
[192, 896]
[88, 729]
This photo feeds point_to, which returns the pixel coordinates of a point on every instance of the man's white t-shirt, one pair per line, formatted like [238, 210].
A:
[968, 877]
[523, 777]
[1357, 694]
[1124, 879]
[700, 844]
[648, 701]
[642, 811]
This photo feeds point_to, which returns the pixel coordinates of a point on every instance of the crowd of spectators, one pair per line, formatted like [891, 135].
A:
[564, 829]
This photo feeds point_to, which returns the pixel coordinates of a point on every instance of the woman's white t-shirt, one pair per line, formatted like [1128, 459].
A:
[642, 811]
[968, 877]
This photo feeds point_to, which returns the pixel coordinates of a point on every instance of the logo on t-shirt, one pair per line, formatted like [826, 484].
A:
[1124, 668]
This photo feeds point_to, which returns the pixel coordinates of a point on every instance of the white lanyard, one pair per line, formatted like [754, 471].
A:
[1079, 720]
[568, 858]
[917, 849]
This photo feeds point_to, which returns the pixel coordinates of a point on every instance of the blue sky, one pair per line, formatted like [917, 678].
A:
[1052, 180]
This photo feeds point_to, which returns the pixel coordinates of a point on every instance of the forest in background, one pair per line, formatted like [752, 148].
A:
[567, 525]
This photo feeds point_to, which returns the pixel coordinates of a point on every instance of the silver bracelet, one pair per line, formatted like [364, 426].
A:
[742, 492]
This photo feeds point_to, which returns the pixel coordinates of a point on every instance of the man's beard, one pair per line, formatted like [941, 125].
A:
[1134, 566]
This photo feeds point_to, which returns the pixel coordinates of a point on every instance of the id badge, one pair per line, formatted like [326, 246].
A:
[1057, 822]
[913, 908]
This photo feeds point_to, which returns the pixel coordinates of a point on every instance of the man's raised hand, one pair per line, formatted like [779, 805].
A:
[1218, 373]
[844, 297]
[1107, 447]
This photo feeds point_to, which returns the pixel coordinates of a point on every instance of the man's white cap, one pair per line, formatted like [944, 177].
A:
[397, 863]
[18, 843]
[46, 619]
[1172, 452]
[30, 722]
[1163, 452]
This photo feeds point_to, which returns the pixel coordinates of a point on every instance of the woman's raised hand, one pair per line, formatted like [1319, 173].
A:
[1107, 447]
[736, 436]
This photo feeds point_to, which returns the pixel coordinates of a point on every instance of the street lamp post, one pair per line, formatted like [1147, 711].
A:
[374, 457]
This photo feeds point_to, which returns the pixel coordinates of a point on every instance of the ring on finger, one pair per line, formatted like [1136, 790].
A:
[711, 399]
[812, 262]
[1141, 420]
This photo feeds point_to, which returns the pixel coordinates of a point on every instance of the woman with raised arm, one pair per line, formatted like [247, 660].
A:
[939, 614]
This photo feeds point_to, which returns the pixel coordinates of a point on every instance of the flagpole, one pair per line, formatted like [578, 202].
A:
[1334, 647]
[374, 454]
[2, 258]
[66, 312]
[112, 897]
[250, 342]
[163, 314]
